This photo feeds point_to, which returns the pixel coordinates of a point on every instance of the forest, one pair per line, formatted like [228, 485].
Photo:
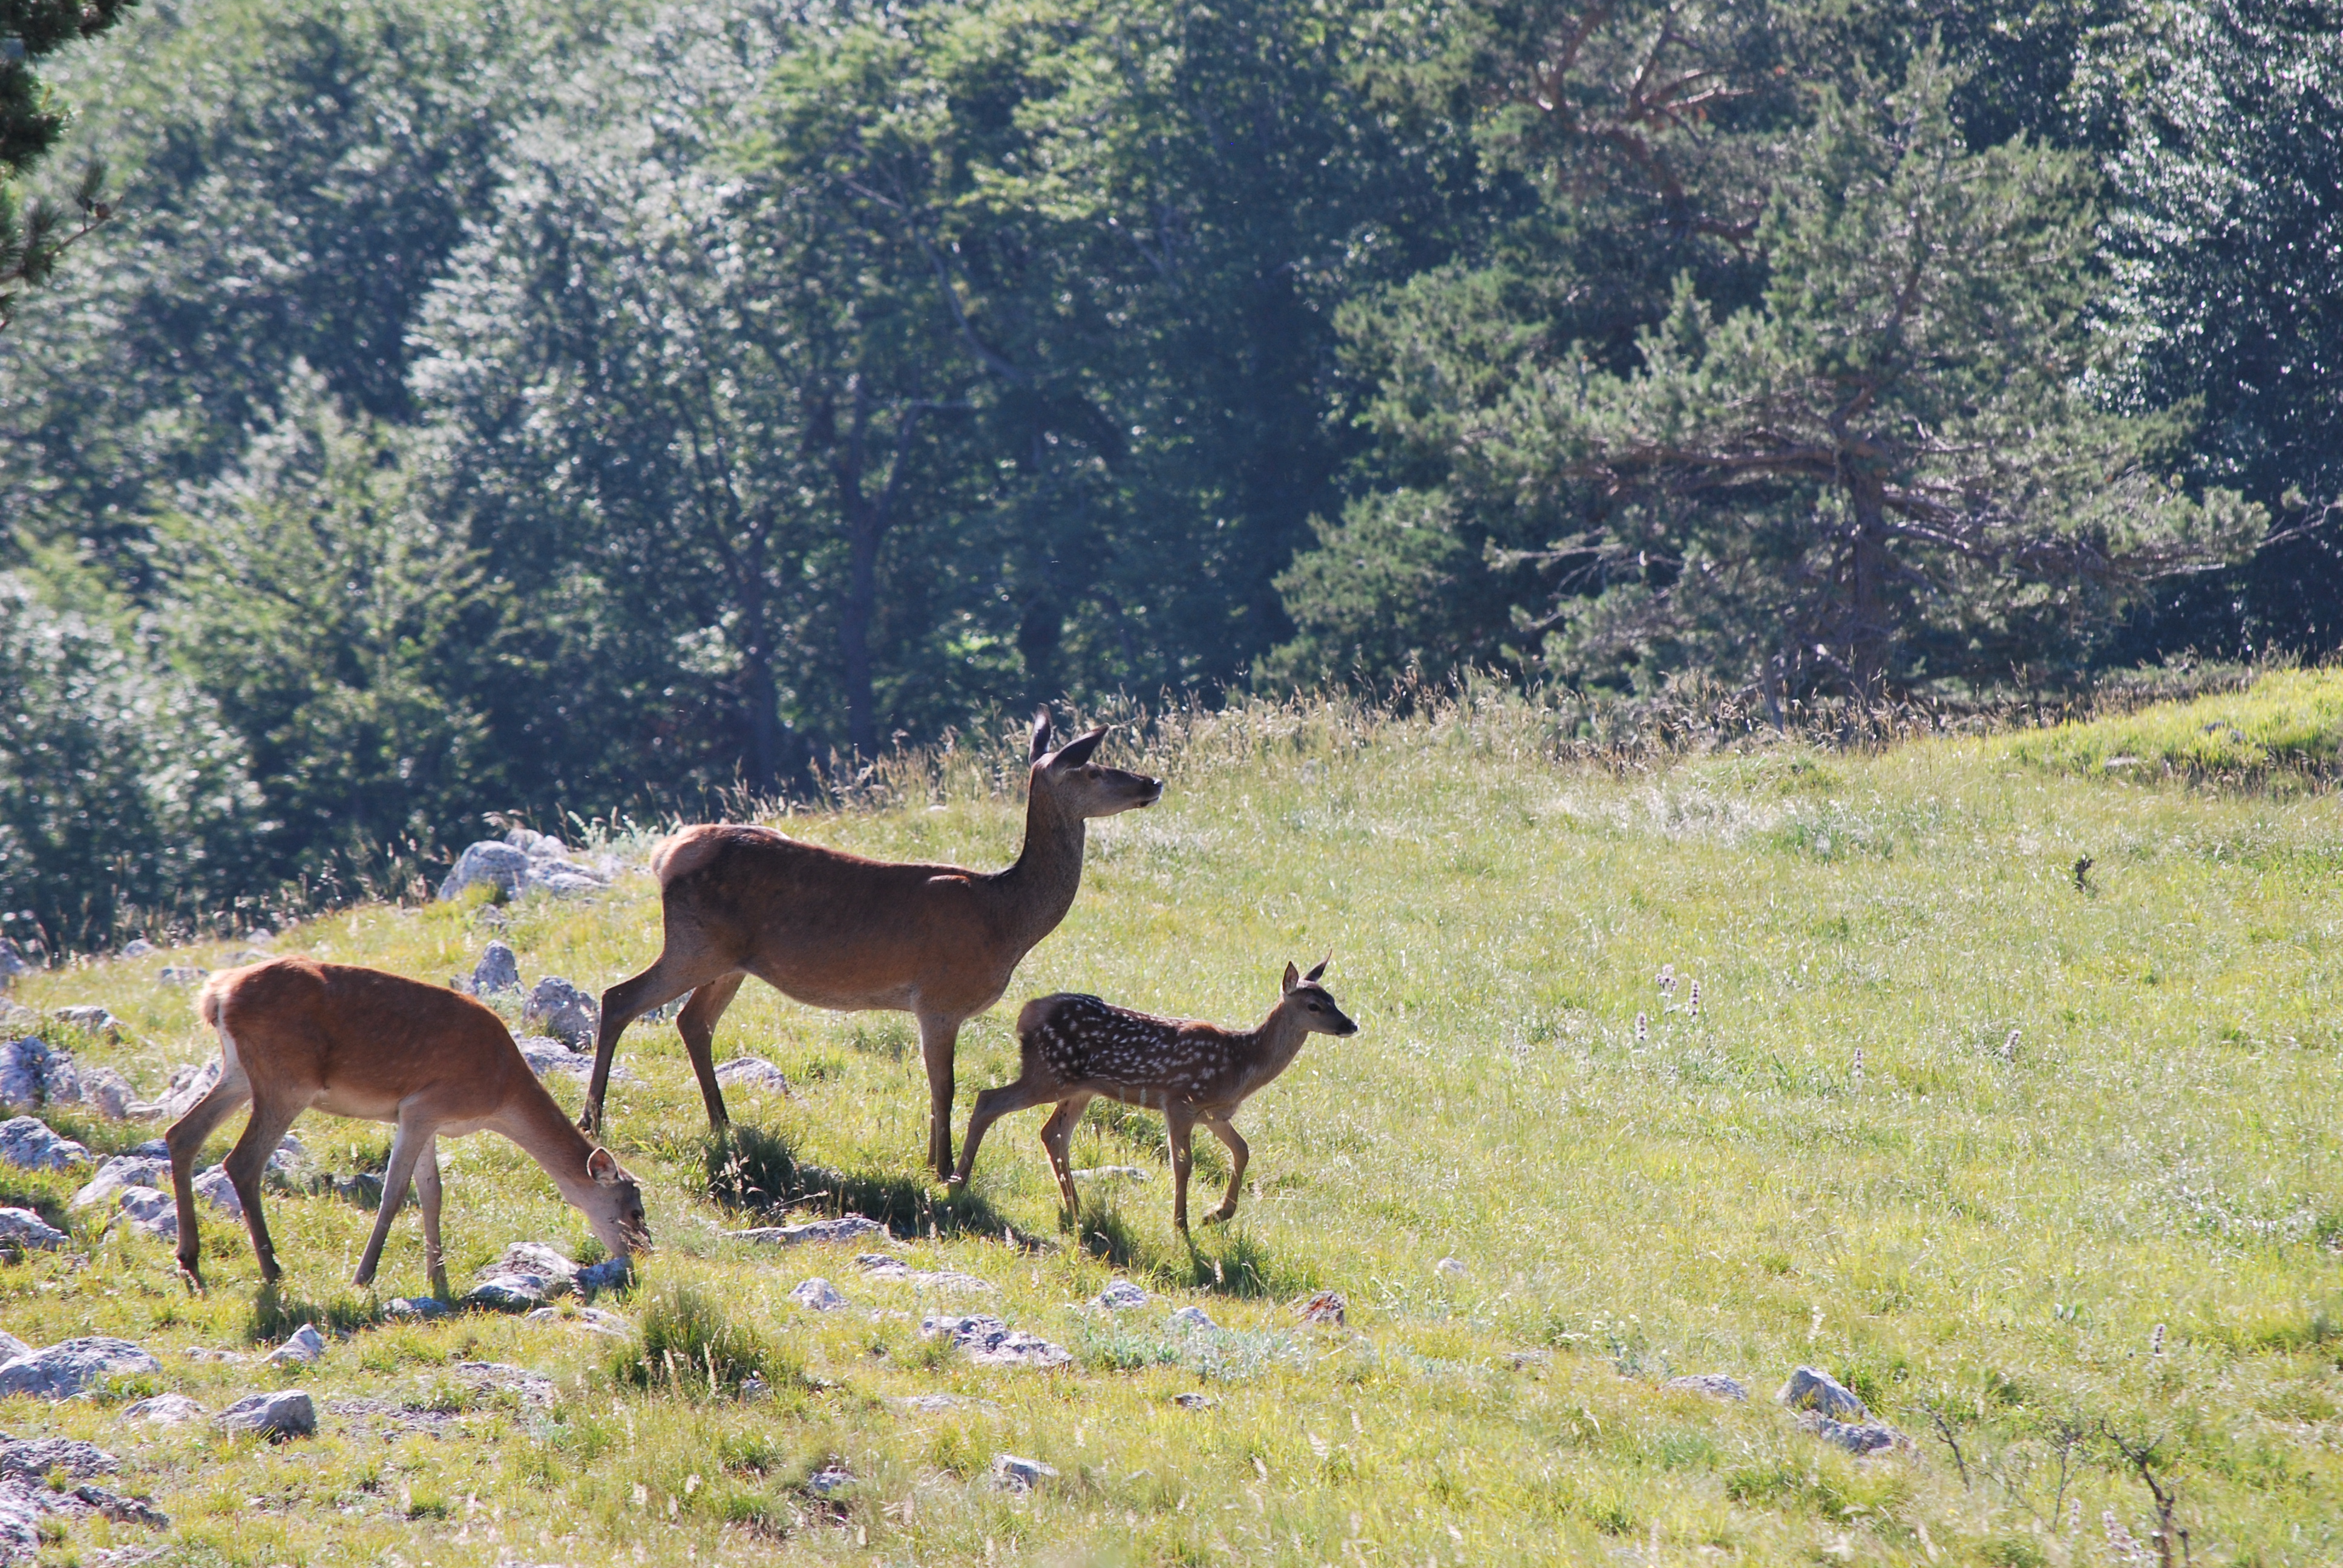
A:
[412, 411]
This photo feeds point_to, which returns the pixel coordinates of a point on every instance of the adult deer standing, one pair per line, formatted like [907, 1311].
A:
[835, 931]
[298, 1035]
[1077, 1048]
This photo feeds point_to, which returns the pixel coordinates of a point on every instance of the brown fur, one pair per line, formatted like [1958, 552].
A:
[1076, 1048]
[298, 1035]
[839, 932]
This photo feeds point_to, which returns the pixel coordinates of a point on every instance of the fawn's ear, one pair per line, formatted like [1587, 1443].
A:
[603, 1166]
[1041, 735]
[1321, 969]
[1293, 977]
[1078, 750]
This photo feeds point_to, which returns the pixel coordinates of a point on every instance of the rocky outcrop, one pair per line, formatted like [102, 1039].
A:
[524, 861]
[27, 1143]
[67, 1368]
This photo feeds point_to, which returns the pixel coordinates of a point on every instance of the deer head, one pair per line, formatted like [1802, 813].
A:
[613, 1205]
[1074, 786]
[1314, 1004]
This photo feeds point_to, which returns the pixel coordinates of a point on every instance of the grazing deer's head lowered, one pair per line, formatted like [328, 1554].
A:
[1075, 1049]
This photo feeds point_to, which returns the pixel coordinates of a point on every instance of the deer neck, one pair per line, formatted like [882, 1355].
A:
[1036, 892]
[1274, 1046]
[533, 1120]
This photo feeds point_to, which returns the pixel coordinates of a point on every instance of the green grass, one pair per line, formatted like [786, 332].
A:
[2288, 724]
[2079, 1115]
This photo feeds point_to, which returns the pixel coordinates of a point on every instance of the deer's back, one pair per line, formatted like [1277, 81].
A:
[357, 1040]
[1079, 1038]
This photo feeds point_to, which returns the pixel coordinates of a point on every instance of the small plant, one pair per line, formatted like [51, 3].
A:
[691, 1345]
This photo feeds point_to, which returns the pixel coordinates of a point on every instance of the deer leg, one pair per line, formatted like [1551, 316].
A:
[186, 1139]
[1180, 1127]
[697, 1024]
[991, 1105]
[939, 1036]
[407, 1147]
[1057, 1138]
[427, 1190]
[1238, 1154]
[245, 1165]
[628, 1000]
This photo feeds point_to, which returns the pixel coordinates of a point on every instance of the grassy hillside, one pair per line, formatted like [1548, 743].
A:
[1944, 1123]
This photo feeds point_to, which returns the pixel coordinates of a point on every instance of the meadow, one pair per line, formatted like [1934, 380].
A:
[2041, 1163]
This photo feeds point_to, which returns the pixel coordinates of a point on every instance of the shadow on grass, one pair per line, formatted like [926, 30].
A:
[1211, 1258]
[42, 1199]
[275, 1314]
[750, 1168]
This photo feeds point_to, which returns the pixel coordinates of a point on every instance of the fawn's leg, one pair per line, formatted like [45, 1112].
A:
[939, 1037]
[1057, 1136]
[185, 1141]
[675, 973]
[427, 1190]
[1180, 1127]
[1219, 1129]
[407, 1147]
[697, 1024]
[991, 1105]
[246, 1161]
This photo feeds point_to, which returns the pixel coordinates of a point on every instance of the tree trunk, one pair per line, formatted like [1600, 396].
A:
[854, 629]
[1869, 626]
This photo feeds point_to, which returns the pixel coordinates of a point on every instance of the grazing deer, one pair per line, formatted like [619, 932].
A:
[1076, 1047]
[835, 931]
[298, 1035]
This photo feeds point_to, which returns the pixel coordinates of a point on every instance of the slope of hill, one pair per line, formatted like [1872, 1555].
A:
[1724, 1065]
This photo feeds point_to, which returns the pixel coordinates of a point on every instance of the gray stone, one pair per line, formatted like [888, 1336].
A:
[109, 1093]
[1450, 1268]
[302, 1348]
[165, 1410]
[486, 863]
[21, 1507]
[1810, 1388]
[557, 1274]
[547, 1057]
[139, 948]
[534, 1388]
[607, 1275]
[214, 1187]
[148, 1212]
[1121, 1295]
[12, 962]
[11, 1347]
[91, 1020]
[67, 1368]
[33, 1074]
[593, 1320]
[122, 1510]
[565, 881]
[35, 1459]
[752, 1072]
[206, 1355]
[987, 1340]
[27, 1142]
[1192, 1401]
[1713, 1385]
[497, 971]
[847, 1228]
[880, 1266]
[1193, 1320]
[828, 1482]
[818, 1295]
[1113, 1174]
[415, 1307]
[183, 974]
[1013, 1472]
[1864, 1437]
[190, 1082]
[1326, 1308]
[290, 1413]
[20, 1229]
[563, 1012]
[507, 1293]
[944, 1403]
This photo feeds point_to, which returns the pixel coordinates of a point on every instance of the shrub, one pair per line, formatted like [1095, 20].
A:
[691, 1343]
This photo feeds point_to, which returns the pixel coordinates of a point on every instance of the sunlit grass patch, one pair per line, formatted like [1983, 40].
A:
[2288, 723]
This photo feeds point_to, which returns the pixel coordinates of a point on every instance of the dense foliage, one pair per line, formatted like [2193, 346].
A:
[519, 406]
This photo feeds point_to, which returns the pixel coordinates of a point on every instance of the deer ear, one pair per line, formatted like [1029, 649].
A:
[1078, 750]
[1041, 735]
[1321, 969]
[603, 1166]
[1292, 977]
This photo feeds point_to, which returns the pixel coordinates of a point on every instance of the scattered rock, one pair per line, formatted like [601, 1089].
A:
[123, 1510]
[563, 1012]
[1327, 1307]
[360, 1189]
[25, 1142]
[546, 1057]
[847, 1228]
[183, 974]
[607, 1275]
[534, 1388]
[20, 1229]
[752, 1072]
[989, 1341]
[1810, 1388]
[16, 1015]
[70, 1366]
[139, 948]
[1193, 1320]
[1522, 1360]
[941, 1403]
[1120, 1296]
[91, 1020]
[507, 1293]
[1713, 1385]
[556, 1275]
[818, 1295]
[754, 1387]
[35, 1459]
[164, 1410]
[1192, 1401]
[828, 1482]
[302, 1348]
[290, 1413]
[214, 1187]
[207, 1356]
[1450, 1268]
[419, 1308]
[1113, 1174]
[20, 1523]
[11, 1347]
[1012, 1473]
[880, 1266]
[34, 1074]
[243, 957]
[593, 1320]
[1864, 1437]
[12, 962]
[190, 1082]
[498, 971]
[486, 863]
[110, 1094]
[148, 1212]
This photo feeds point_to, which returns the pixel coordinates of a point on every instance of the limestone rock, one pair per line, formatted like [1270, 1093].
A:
[20, 1229]
[214, 1187]
[1121, 1295]
[148, 1212]
[1011, 1473]
[35, 1459]
[1810, 1388]
[109, 1093]
[11, 1347]
[1326, 1307]
[1193, 1320]
[302, 1348]
[1855, 1437]
[1713, 1385]
[554, 1274]
[1192, 1401]
[164, 1410]
[190, 1082]
[563, 1012]
[847, 1228]
[752, 1072]
[880, 1266]
[183, 974]
[1450, 1268]
[33, 1074]
[607, 1275]
[497, 971]
[829, 1481]
[593, 1320]
[818, 1295]
[507, 1293]
[486, 863]
[416, 1307]
[67, 1368]
[1113, 1174]
[139, 948]
[91, 1020]
[290, 1413]
[12, 962]
[987, 1342]
[534, 1388]
[546, 1057]
[941, 1403]
[27, 1142]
